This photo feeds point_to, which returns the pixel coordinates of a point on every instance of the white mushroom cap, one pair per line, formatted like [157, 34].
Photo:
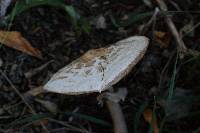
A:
[4, 4]
[99, 69]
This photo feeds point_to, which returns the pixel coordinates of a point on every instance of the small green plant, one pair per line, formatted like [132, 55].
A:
[76, 19]
[132, 19]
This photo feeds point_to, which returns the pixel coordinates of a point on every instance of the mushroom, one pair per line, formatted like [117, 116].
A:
[98, 70]
[4, 4]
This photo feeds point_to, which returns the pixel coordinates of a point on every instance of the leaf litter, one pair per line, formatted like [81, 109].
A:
[15, 40]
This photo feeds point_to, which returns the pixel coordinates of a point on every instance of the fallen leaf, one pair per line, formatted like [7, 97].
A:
[38, 123]
[163, 38]
[15, 40]
[148, 116]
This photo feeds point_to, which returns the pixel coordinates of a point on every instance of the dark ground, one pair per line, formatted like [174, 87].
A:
[148, 83]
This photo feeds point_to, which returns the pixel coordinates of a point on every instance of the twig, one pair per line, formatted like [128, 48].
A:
[181, 46]
[152, 19]
[37, 70]
[175, 5]
[193, 28]
[22, 97]
[70, 127]
[34, 92]
[164, 70]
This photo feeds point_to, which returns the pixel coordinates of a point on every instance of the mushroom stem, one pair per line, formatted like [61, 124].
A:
[117, 117]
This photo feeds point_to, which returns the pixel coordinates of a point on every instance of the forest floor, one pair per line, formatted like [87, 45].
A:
[165, 81]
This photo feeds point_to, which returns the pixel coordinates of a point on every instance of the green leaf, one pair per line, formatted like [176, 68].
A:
[89, 118]
[75, 18]
[29, 119]
[172, 81]
[132, 18]
[138, 116]
[197, 130]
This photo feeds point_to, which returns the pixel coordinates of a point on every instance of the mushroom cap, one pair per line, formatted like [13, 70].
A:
[99, 69]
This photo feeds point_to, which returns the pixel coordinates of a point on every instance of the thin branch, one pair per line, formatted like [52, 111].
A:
[22, 97]
[192, 29]
[37, 70]
[181, 46]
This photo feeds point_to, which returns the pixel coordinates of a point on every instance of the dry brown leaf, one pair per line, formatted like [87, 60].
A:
[152, 121]
[15, 40]
[163, 38]
[38, 122]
